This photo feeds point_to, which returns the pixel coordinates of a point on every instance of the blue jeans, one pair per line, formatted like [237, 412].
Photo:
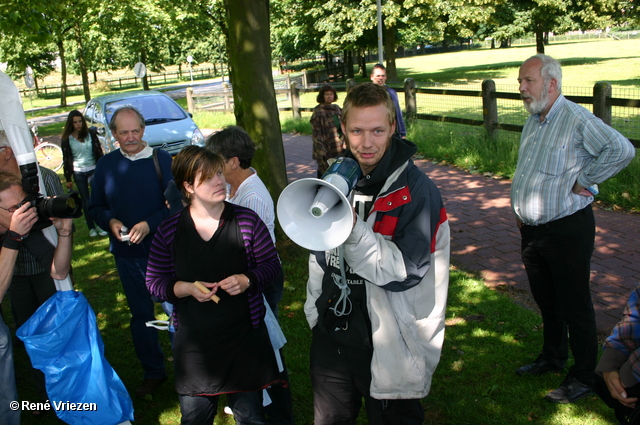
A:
[201, 410]
[132, 272]
[8, 391]
[83, 182]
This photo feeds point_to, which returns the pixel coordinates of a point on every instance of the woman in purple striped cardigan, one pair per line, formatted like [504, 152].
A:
[212, 261]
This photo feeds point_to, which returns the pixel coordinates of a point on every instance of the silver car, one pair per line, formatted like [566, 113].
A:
[168, 126]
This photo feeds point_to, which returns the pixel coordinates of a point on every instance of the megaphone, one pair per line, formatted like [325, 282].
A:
[316, 213]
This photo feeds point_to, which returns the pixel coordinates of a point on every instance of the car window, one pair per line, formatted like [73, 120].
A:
[88, 114]
[152, 108]
[97, 115]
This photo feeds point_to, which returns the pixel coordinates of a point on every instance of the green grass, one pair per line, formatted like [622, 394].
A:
[51, 129]
[583, 64]
[301, 125]
[488, 336]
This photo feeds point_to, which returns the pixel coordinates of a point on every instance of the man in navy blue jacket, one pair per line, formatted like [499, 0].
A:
[128, 199]
[379, 77]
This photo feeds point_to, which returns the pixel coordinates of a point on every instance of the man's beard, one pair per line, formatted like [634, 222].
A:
[537, 106]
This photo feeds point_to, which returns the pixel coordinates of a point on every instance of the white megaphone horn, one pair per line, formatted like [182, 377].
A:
[316, 213]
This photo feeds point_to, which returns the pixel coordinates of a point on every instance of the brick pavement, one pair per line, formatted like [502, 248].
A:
[484, 238]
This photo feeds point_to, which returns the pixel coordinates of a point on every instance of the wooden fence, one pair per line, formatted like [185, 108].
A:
[123, 82]
[291, 90]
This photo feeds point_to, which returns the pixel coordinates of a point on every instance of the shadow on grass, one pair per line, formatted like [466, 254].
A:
[487, 337]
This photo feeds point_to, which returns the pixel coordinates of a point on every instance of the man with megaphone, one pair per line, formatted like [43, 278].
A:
[376, 303]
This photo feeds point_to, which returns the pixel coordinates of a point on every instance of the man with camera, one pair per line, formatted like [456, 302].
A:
[16, 232]
[31, 284]
[128, 199]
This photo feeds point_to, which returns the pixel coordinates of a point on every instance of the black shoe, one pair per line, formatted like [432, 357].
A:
[149, 386]
[569, 391]
[539, 367]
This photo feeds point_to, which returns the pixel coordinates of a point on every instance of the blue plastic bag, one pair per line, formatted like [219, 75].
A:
[63, 341]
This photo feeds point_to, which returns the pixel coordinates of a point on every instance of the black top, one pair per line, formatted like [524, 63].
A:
[216, 348]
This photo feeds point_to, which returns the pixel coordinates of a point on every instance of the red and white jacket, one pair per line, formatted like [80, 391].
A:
[402, 252]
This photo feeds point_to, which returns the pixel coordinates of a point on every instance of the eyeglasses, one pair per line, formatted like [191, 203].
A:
[12, 209]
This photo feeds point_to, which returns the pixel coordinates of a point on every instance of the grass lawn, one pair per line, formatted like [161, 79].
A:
[583, 64]
[488, 336]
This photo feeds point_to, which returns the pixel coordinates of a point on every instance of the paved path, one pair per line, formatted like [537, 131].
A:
[484, 238]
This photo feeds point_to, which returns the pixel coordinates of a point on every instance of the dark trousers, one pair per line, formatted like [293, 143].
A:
[557, 258]
[622, 412]
[280, 411]
[83, 182]
[201, 410]
[132, 273]
[27, 293]
[341, 377]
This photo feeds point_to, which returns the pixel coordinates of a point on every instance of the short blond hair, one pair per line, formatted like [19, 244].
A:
[368, 94]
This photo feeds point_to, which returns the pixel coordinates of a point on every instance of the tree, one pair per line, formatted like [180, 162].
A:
[19, 53]
[293, 34]
[544, 16]
[254, 96]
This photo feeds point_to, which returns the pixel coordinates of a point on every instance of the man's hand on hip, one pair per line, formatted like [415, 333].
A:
[579, 190]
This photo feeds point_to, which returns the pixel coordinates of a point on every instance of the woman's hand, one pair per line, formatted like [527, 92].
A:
[23, 219]
[235, 284]
[185, 289]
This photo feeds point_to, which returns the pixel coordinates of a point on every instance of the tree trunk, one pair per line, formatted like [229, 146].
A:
[539, 40]
[254, 97]
[63, 73]
[83, 65]
[95, 76]
[143, 59]
[390, 52]
[348, 55]
[363, 64]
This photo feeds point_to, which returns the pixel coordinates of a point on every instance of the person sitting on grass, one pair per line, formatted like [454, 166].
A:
[618, 371]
